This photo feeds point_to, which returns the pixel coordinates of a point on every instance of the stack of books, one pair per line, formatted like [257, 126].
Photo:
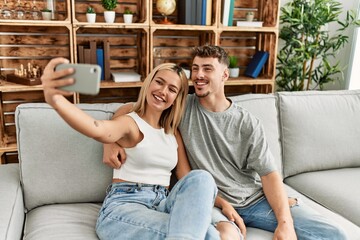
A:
[194, 12]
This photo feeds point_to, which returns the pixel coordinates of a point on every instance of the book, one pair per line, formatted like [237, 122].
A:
[208, 12]
[198, 12]
[249, 24]
[80, 54]
[256, 64]
[231, 13]
[203, 12]
[225, 12]
[92, 52]
[106, 48]
[184, 11]
[126, 77]
[100, 61]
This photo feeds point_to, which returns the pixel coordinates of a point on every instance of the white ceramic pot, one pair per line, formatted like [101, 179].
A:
[109, 16]
[249, 16]
[91, 17]
[128, 18]
[234, 72]
[46, 15]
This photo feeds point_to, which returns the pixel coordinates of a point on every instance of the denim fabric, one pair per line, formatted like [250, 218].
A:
[143, 211]
[309, 225]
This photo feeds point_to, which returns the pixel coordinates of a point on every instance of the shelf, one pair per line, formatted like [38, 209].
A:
[138, 47]
[10, 148]
[111, 84]
[111, 25]
[14, 87]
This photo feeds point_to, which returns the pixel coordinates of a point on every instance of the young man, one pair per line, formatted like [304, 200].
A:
[250, 187]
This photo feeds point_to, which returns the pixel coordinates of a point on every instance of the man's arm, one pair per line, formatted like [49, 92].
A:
[278, 200]
[113, 154]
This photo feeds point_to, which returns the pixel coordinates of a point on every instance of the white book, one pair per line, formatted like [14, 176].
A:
[226, 11]
[126, 76]
[249, 24]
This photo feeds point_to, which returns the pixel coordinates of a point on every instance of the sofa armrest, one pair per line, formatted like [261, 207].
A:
[11, 203]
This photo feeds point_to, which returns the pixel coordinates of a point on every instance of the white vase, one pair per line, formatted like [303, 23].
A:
[128, 18]
[109, 16]
[234, 72]
[91, 17]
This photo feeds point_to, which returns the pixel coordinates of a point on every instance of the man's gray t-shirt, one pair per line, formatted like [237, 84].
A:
[231, 145]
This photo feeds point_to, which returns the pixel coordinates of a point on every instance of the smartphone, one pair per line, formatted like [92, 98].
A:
[87, 78]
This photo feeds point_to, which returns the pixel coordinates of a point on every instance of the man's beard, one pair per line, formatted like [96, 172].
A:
[202, 95]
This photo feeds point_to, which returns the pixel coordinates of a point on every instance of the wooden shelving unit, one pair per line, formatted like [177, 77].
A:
[138, 47]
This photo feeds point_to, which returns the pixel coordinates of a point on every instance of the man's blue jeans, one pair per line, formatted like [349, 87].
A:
[143, 211]
[309, 225]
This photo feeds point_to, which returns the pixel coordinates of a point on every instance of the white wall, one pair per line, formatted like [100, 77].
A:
[353, 80]
[345, 53]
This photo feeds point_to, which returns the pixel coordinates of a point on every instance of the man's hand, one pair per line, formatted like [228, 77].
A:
[113, 155]
[229, 211]
[285, 231]
[233, 216]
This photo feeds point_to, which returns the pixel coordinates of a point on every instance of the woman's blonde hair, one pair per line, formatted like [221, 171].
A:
[171, 117]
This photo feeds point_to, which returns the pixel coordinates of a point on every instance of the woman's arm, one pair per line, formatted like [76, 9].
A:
[183, 165]
[103, 131]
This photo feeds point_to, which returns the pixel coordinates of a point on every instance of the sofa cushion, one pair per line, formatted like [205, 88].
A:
[337, 190]
[319, 130]
[263, 106]
[58, 164]
[11, 203]
[62, 221]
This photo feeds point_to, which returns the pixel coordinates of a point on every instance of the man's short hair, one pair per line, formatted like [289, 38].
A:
[211, 51]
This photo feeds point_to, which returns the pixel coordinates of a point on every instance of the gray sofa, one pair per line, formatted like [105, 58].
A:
[56, 190]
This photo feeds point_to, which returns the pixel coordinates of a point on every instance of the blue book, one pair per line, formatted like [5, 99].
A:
[231, 13]
[203, 12]
[256, 64]
[100, 61]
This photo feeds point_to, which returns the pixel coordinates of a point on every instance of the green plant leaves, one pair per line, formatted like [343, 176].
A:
[308, 46]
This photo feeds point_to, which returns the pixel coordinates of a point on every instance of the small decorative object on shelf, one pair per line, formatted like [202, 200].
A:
[35, 13]
[233, 67]
[249, 23]
[249, 16]
[109, 6]
[166, 8]
[51, 5]
[90, 15]
[46, 14]
[128, 16]
[28, 76]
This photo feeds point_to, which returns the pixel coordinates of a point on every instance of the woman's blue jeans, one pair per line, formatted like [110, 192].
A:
[309, 225]
[143, 211]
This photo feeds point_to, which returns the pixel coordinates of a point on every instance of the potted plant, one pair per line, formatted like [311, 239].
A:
[90, 15]
[305, 60]
[46, 14]
[128, 16]
[233, 67]
[109, 13]
[249, 16]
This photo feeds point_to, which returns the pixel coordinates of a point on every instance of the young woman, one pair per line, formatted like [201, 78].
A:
[138, 204]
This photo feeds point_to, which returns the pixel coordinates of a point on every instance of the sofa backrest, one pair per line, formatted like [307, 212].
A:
[263, 106]
[319, 130]
[58, 164]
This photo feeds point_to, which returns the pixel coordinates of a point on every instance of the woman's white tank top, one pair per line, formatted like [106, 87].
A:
[152, 159]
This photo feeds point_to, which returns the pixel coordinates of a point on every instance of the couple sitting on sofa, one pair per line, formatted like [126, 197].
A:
[220, 137]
